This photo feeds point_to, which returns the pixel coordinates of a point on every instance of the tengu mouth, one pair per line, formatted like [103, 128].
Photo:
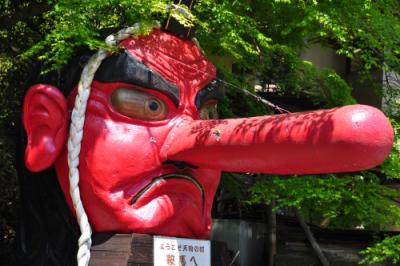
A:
[187, 177]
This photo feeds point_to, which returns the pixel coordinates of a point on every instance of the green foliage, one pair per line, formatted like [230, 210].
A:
[324, 87]
[236, 103]
[391, 166]
[347, 201]
[72, 24]
[366, 30]
[233, 185]
[387, 250]
[230, 31]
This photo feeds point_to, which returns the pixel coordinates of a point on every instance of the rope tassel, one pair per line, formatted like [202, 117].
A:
[75, 139]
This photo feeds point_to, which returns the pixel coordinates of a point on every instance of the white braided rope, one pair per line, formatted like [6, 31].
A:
[75, 139]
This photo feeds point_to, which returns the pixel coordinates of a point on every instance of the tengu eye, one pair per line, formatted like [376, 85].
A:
[138, 104]
[209, 111]
[153, 105]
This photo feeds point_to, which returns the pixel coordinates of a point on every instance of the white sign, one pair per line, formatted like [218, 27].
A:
[172, 251]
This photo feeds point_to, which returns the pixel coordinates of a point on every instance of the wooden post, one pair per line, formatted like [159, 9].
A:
[137, 249]
[271, 234]
[321, 256]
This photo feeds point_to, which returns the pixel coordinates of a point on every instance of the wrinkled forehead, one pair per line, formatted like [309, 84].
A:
[179, 61]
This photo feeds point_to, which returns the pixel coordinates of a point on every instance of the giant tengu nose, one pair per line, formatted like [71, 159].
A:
[345, 139]
[350, 138]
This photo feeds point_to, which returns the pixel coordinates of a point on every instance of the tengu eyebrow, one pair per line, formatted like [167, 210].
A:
[125, 67]
[213, 90]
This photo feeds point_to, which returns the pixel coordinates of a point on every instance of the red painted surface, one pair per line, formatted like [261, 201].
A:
[345, 139]
[45, 121]
[122, 155]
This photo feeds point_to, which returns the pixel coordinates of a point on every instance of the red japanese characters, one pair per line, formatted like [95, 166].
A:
[153, 149]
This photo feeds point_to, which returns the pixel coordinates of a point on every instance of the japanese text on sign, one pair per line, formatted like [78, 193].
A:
[171, 251]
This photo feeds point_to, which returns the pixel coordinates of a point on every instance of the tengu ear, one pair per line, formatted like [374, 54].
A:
[45, 118]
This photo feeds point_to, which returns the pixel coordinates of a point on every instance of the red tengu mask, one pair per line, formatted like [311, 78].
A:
[153, 149]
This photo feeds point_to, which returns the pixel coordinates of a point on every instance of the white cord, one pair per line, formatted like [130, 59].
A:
[75, 139]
